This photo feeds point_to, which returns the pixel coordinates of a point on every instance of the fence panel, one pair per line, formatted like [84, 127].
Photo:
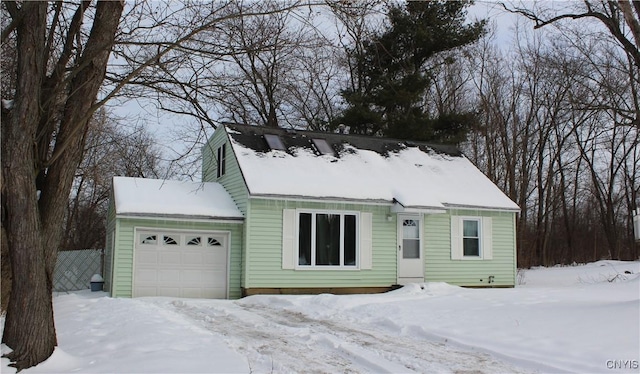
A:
[74, 269]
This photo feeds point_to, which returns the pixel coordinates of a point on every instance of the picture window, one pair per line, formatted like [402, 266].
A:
[327, 239]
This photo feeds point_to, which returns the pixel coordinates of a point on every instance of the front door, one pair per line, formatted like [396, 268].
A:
[410, 260]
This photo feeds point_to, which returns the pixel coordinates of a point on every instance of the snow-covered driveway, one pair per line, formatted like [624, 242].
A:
[579, 319]
[276, 339]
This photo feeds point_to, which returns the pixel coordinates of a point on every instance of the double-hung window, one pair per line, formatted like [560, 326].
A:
[327, 239]
[471, 238]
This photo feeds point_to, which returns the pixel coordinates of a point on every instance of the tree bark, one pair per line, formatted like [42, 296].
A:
[37, 189]
[29, 328]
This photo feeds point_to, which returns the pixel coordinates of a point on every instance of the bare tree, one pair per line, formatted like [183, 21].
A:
[56, 87]
[620, 18]
[110, 150]
[62, 51]
[555, 135]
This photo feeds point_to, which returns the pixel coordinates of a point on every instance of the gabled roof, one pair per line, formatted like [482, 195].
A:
[411, 174]
[141, 196]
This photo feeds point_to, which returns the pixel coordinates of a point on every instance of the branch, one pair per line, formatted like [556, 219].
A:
[179, 44]
[610, 21]
[16, 18]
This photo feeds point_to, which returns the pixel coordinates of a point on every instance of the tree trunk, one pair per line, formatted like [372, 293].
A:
[35, 210]
[29, 328]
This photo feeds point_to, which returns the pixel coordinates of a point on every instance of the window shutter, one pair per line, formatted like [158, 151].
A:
[288, 238]
[456, 242]
[366, 242]
[487, 238]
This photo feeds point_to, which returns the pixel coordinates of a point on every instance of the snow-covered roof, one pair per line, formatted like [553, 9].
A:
[173, 198]
[413, 174]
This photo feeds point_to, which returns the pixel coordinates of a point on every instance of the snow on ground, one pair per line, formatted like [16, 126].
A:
[582, 319]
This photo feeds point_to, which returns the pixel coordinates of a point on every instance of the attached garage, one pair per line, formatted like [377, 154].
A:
[181, 264]
[176, 239]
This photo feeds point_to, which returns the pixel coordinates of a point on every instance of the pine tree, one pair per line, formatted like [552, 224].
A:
[394, 69]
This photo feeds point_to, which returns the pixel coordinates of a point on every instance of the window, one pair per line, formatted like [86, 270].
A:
[222, 160]
[471, 238]
[410, 238]
[149, 239]
[322, 146]
[274, 142]
[169, 240]
[327, 239]
[194, 241]
[213, 242]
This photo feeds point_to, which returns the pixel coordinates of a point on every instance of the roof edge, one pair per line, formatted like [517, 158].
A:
[179, 217]
[480, 207]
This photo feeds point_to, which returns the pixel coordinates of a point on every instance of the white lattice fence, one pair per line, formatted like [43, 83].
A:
[74, 269]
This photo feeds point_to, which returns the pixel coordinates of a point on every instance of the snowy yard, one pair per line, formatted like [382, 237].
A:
[564, 319]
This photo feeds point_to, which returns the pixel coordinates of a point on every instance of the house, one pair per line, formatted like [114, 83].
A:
[282, 211]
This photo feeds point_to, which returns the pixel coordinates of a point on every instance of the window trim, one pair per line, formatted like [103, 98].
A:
[485, 238]
[420, 223]
[341, 267]
[480, 237]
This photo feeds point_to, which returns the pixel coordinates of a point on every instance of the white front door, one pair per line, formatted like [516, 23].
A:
[410, 257]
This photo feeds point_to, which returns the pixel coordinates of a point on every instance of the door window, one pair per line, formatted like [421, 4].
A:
[410, 238]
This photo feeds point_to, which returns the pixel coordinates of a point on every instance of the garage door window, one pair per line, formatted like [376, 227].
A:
[213, 242]
[196, 240]
[148, 239]
[170, 240]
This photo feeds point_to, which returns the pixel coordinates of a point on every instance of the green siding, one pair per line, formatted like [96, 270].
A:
[232, 180]
[108, 252]
[440, 268]
[263, 263]
[123, 261]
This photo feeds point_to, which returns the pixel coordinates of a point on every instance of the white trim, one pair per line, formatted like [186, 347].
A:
[397, 207]
[313, 213]
[400, 246]
[232, 220]
[366, 240]
[480, 237]
[226, 233]
[409, 209]
[328, 200]
[485, 238]
[456, 240]
[289, 248]
[482, 208]
[113, 256]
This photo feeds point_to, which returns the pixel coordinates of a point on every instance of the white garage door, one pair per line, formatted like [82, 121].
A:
[180, 264]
